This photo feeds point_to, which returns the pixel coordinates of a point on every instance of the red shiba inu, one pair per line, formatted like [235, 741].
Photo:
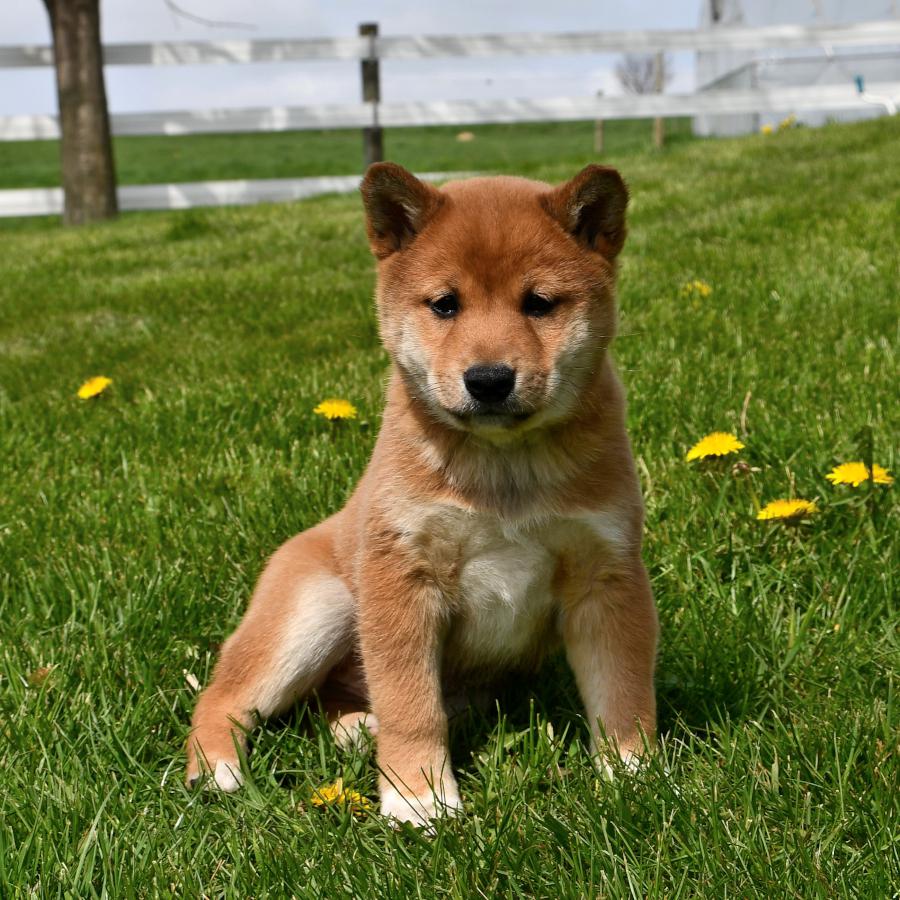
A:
[500, 514]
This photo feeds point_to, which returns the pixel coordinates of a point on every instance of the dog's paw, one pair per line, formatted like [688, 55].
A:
[224, 775]
[423, 809]
[355, 731]
[627, 762]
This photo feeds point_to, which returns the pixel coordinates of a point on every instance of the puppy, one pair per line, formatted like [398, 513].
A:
[500, 514]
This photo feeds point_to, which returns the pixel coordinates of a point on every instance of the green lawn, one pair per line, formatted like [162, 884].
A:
[132, 528]
[211, 157]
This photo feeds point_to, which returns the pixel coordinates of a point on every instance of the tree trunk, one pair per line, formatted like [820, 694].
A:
[88, 170]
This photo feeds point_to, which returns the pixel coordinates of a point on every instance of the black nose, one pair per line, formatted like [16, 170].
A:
[489, 384]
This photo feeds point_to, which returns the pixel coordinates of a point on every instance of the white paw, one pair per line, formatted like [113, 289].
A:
[631, 762]
[355, 732]
[421, 810]
[227, 776]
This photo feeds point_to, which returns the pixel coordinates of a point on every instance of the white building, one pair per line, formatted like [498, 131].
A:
[749, 69]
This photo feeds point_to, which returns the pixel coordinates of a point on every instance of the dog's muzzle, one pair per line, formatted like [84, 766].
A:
[490, 384]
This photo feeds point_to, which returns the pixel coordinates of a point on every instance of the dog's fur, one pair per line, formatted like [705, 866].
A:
[481, 534]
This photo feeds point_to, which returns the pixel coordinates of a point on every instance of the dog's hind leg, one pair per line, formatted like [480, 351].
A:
[345, 701]
[298, 627]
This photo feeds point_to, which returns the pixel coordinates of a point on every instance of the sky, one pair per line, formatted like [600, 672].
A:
[141, 89]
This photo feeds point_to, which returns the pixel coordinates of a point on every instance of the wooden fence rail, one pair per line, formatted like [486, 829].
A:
[459, 112]
[193, 53]
[49, 201]
[370, 47]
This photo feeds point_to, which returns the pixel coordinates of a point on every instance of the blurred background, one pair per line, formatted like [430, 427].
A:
[709, 67]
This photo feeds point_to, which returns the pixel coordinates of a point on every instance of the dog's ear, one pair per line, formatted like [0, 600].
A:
[398, 206]
[591, 207]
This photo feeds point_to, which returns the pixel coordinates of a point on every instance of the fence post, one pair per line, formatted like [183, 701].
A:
[659, 127]
[373, 142]
[598, 132]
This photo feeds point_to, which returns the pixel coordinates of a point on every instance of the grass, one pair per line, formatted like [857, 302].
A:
[211, 157]
[132, 528]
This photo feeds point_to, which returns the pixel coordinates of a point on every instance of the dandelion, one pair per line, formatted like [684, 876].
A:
[40, 675]
[93, 387]
[696, 289]
[719, 443]
[766, 129]
[787, 122]
[337, 795]
[787, 509]
[855, 473]
[336, 409]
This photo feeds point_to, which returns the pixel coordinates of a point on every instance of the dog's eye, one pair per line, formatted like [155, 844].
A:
[445, 307]
[536, 306]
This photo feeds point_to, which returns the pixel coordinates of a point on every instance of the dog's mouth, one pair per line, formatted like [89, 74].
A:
[490, 416]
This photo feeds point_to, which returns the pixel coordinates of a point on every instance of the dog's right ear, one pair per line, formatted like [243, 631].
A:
[591, 207]
[398, 206]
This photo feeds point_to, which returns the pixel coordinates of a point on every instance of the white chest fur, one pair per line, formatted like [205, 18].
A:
[505, 603]
[499, 578]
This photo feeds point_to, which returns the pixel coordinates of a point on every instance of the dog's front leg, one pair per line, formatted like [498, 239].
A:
[401, 628]
[610, 637]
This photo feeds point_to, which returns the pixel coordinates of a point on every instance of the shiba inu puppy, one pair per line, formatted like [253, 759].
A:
[500, 515]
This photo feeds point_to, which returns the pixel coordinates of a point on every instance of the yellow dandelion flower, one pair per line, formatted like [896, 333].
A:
[93, 387]
[337, 795]
[766, 129]
[787, 509]
[719, 443]
[787, 122]
[856, 473]
[39, 676]
[334, 408]
[696, 289]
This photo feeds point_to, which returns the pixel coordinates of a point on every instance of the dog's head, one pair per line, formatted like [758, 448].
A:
[495, 295]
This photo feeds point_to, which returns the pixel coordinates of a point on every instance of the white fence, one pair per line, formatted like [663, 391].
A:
[471, 112]
[371, 48]
[169, 53]
[49, 201]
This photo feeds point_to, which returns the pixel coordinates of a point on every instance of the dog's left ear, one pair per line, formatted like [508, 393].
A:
[398, 206]
[591, 207]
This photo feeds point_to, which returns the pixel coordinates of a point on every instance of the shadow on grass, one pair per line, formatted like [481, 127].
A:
[688, 706]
